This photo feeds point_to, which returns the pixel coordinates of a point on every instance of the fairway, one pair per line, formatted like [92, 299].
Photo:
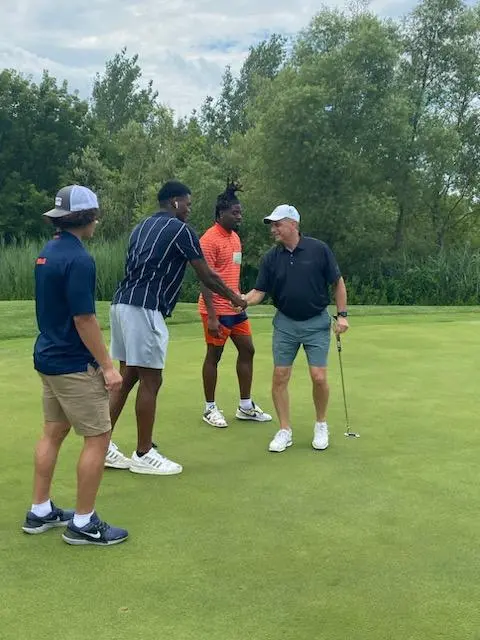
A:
[375, 538]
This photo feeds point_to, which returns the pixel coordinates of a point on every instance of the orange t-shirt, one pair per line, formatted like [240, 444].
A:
[223, 252]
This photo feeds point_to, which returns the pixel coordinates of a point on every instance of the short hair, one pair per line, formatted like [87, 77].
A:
[173, 189]
[227, 199]
[76, 220]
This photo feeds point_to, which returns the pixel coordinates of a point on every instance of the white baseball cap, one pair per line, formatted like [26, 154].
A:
[71, 199]
[281, 212]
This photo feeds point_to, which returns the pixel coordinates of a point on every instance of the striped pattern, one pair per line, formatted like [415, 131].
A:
[158, 252]
[223, 252]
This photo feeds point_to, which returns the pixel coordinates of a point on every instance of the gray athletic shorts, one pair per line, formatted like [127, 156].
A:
[139, 336]
[289, 335]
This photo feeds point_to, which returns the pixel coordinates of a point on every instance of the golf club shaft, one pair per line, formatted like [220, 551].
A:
[339, 349]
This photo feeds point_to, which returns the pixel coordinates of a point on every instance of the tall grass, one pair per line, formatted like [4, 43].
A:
[451, 278]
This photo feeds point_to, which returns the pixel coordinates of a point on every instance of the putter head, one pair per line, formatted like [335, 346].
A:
[351, 434]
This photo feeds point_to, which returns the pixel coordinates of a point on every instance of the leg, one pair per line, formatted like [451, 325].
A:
[281, 377]
[145, 406]
[118, 399]
[320, 391]
[46, 458]
[246, 352]
[90, 471]
[209, 371]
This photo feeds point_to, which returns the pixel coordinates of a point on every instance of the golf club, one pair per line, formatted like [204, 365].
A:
[348, 433]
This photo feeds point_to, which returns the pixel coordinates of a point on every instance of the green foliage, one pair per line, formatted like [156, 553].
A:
[370, 127]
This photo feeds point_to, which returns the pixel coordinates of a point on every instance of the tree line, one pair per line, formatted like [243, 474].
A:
[369, 126]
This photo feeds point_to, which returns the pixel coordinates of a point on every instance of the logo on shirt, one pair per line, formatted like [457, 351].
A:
[237, 257]
[41, 261]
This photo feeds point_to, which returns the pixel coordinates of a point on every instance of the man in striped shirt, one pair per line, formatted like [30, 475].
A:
[158, 252]
[223, 252]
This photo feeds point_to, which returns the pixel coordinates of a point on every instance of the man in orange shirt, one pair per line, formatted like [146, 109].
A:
[222, 250]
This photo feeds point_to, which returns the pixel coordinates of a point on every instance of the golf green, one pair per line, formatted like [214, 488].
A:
[375, 538]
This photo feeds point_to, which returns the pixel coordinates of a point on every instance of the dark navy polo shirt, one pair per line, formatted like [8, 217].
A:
[298, 281]
[64, 288]
[158, 252]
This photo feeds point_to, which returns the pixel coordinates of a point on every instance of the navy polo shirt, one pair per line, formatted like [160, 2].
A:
[298, 281]
[158, 252]
[64, 288]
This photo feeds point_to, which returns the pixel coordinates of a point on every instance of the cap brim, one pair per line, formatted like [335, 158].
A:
[57, 213]
[269, 219]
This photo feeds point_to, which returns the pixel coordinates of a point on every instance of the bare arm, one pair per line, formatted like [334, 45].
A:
[212, 281]
[340, 290]
[208, 298]
[340, 294]
[91, 336]
[255, 296]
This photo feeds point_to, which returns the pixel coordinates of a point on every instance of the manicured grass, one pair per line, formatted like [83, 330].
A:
[374, 539]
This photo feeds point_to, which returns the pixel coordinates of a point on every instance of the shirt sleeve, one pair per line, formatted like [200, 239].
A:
[331, 269]
[210, 251]
[188, 244]
[263, 282]
[80, 286]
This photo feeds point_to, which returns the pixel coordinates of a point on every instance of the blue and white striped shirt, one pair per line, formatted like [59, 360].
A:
[158, 252]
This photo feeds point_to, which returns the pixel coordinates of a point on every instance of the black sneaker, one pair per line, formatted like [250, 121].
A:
[56, 518]
[94, 532]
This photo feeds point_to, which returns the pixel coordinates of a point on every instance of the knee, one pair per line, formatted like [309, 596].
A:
[214, 356]
[281, 376]
[319, 378]
[152, 382]
[247, 353]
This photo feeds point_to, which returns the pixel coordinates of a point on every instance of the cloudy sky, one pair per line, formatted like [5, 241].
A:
[184, 45]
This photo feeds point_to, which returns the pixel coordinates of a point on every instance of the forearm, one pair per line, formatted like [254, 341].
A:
[91, 336]
[254, 296]
[341, 295]
[208, 299]
[212, 281]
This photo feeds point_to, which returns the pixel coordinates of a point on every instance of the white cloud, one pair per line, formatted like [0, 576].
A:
[184, 45]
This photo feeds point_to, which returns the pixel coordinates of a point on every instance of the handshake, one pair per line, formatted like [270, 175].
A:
[240, 303]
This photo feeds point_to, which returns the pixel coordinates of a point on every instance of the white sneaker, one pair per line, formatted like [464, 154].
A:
[281, 441]
[215, 418]
[255, 413]
[153, 463]
[320, 436]
[115, 459]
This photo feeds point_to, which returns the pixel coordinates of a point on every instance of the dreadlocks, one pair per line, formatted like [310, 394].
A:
[227, 199]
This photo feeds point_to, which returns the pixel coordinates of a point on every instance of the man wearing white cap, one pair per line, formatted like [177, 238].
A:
[297, 274]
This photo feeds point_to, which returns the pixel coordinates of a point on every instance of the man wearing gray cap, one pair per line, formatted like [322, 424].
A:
[297, 274]
[76, 372]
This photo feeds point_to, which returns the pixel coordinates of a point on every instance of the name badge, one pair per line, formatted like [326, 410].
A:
[237, 257]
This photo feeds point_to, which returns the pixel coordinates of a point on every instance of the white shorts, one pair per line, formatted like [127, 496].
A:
[139, 337]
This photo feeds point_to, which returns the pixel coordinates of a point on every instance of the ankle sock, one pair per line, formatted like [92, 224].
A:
[83, 519]
[209, 406]
[43, 509]
[246, 404]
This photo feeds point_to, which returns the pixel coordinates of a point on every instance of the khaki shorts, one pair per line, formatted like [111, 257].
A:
[79, 399]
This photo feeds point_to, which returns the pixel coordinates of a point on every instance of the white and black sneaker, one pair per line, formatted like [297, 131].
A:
[255, 413]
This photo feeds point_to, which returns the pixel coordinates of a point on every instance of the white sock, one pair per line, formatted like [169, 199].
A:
[81, 520]
[246, 404]
[43, 509]
[210, 405]
[321, 424]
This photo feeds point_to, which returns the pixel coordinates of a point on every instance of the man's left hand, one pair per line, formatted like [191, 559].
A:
[341, 325]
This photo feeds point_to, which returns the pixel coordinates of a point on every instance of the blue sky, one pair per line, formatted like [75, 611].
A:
[184, 45]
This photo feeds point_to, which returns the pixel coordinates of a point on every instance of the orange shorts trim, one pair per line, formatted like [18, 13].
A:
[241, 329]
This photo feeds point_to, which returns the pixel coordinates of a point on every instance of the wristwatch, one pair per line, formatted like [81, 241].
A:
[342, 314]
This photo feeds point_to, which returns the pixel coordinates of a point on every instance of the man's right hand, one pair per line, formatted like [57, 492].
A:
[240, 303]
[214, 327]
[113, 379]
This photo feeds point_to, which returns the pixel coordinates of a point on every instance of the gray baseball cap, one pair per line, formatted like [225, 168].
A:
[281, 212]
[72, 199]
